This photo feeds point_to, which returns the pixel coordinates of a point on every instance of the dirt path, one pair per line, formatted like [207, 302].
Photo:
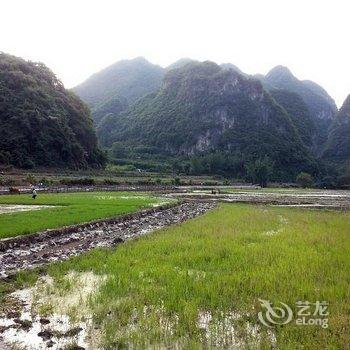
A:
[28, 252]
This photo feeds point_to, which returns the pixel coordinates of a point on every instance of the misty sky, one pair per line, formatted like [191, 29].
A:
[79, 37]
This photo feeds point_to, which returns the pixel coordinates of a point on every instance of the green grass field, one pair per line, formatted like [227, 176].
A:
[68, 209]
[221, 264]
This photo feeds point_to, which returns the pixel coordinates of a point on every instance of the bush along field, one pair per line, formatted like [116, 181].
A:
[65, 209]
[209, 282]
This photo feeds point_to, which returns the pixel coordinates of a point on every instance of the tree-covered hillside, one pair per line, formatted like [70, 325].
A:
[299, 113]
[321, 106]
[203, 109]
[124, 80]
[41, 123]
[114, 105]
[338, 144]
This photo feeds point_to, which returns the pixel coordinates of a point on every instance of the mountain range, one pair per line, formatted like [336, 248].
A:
[120, 85]
[193, 109]
[321, 106]
[208, 118]
[201, 109]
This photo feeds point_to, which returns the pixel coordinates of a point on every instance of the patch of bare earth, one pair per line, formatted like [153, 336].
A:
[13, 208]
[316, 199]
[51, 315]
[55, 314]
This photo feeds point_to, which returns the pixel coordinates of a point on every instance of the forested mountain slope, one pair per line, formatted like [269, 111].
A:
[321, 106]
[126, 81]
[42, 123]
[338, 144]
[202, 108]
[299, 113]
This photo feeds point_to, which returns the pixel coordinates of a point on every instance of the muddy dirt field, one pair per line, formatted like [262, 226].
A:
[317, 199]
[22, 324]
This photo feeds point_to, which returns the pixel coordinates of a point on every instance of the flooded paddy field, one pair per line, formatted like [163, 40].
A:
[28, 252]
[287, 197]
[193, 274]
[61, 209]
[13, 208]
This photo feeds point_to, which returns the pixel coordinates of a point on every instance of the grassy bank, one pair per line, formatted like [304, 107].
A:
[67, 209]
[198, 284]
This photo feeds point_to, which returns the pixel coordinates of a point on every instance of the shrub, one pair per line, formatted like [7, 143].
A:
[304, 180]
[260, 170]
[118, 150]
[176, 181]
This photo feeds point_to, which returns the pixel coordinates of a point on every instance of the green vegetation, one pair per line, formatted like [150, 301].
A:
[337, 148]
[304, 180]
[110, 90]
[68, 209]
[125, 175]
[113, 106]
[41, 123]
[207, 127]
[260, 171]
[222, 263]
[321, 106]
[299, 113]
[336, 155]
[182, 120]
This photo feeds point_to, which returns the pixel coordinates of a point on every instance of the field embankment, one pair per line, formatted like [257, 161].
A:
[28, 252]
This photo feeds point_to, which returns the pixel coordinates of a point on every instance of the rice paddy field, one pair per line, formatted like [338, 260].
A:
[56, 210]
[203, 283]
